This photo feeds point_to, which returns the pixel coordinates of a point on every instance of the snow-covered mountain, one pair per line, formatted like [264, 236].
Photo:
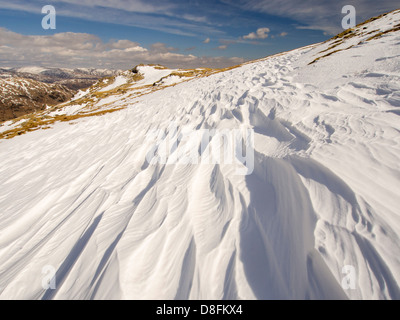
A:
[317, 215]
[66, 72]
[73, 79]
[28, 89]
[19, 96]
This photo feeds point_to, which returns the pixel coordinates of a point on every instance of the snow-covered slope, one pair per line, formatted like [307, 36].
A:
[82, 198]
[106, 95]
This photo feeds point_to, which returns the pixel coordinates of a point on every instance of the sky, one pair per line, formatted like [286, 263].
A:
[119, 34]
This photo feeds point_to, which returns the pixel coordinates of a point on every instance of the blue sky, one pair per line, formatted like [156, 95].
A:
[179, 33]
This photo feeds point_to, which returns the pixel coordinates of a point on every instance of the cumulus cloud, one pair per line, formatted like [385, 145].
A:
[207, 40]
[261, 33]
[283, 34]
[122, 44]
[86, 50]
[159, 47]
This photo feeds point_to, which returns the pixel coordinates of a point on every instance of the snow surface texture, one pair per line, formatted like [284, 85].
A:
[324, 193]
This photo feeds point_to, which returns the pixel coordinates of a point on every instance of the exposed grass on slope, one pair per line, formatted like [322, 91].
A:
[358, 30]
[329, 54]
[35, 122]
[349, 33]
[380, 34]
[155, 66]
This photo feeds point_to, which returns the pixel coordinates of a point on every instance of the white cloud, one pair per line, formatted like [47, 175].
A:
[316, 14]
[159, 47]
[222, 47]
[207, 40]
[123, 44]
[177, 17]
[160, 15]
[261, 33]
[85, 50]
[194, 18]
[283, 34]
[131, 5]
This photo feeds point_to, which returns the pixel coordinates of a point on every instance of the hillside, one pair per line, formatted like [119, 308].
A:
[121, 198]
[30, 89]
[19, 96]
[107, 95]
[73, 79]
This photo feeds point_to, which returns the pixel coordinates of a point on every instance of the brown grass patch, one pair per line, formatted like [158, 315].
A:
[380, 34]
[330, 53]
[34, 123]
[345, 34]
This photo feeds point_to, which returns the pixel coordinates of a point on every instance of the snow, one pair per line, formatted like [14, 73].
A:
[83, 198]
[150, 75]
[80, 94]
[118, 81]
[172, 80]
[34, 70]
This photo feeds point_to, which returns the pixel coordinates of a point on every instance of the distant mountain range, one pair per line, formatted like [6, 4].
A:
[29, 89]
[20, 96]
[74, 79]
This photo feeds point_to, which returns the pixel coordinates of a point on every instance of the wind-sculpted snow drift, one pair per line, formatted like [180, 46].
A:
[82, 198]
